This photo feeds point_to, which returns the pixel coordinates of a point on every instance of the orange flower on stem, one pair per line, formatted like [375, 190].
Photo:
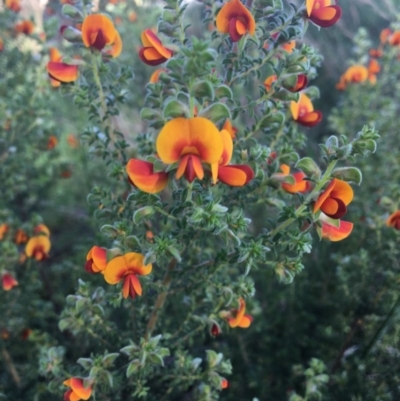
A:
[237, 317]
[38, 247]
[385, 35]
[77, 390]
[323, 13]
[26, 27]
[373, 67]
[335, 199]
[153, 52]
[224, 383]
[60, 72]
[190, 142]
[156, 74]
[20, 237]
[98, 32]
[96, 260]
[230, 128]
[52, 142]
[127, 268]
[394, 220]
[141, 175]
[289, 46]
[301, 185]
[394, 38]
[269, 81]
[3, 230]
[300, 84]
[335, 230]
[13, 5]
[303, 112]
[8, 282]
[235, 175]
[234, 18]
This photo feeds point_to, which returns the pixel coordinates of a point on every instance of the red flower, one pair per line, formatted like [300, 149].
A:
[153, 52]
[394, 220]
[323, 13]
[8, 282]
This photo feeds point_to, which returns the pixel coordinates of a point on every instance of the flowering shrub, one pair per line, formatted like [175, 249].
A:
[197, 189]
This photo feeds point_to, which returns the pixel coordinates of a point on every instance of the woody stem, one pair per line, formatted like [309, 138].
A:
[96, 76]
[162, 296]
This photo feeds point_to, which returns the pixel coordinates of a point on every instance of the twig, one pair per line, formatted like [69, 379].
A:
[11, 367]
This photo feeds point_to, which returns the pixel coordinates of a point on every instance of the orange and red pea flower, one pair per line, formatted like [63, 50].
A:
[98, 32]
[236, 20]
[153, 51]
[300, 186]
[323, 13]
[8, 282]
[238, 317]
[127, 268]
[77, 390]
[303, 112]
[96, 260]
[38, 246]
[394, 220]
[334, 200]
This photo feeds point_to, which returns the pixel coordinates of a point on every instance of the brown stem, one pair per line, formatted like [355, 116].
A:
[356, 323]
[11, 367]
[162, 296]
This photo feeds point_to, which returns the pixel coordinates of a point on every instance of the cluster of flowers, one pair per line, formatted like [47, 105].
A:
[359, 73]
[37, 247]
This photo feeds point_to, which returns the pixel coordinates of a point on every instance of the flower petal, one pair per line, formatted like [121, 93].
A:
[62, 72]
[336, 233]
[79, 389]
[326, 16]
[141, 174]
[98, 31]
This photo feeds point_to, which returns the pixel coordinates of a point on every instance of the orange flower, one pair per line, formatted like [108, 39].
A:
[356, 73]
[323, 13]
[55, 56]
[13, 5]
[156, 74]
[96, 260]
[234, 18]
[52, 142]
[230, 128]
[26, 27]
[334, 200]
[8, 282]
[73, 141]
[224, 384]
[127, 268]
[385, 35]
[238, 318]
[20, 237]
[98, 31]
[235, 175]
[190, 142]
[269, 81]
[300, 84]
[62, 72]
[77, 390]
[132, 16]
[378, 53]
[153, 52]
[394, 39]
[301, 185]
[41, 229]
[142, 176]
[373, 67]
[394, 220]
[303, 112]
[38, 247]
[289, 46]
[336, 233]
[3, 230]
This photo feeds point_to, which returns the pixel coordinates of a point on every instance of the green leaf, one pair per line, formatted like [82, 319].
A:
[174, 108]
[216, 112]
[142, 213]
[203, 89]
[109, 359]
[332, 142]
[309, 167]
[223, 91]
[86, 363]
[349, 174]
[149, 114]
[72, 12]
[132, 367]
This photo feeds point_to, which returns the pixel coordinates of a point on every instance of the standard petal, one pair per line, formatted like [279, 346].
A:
[115, 270]
[134, 261]
[182, 136]
[342, 190]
